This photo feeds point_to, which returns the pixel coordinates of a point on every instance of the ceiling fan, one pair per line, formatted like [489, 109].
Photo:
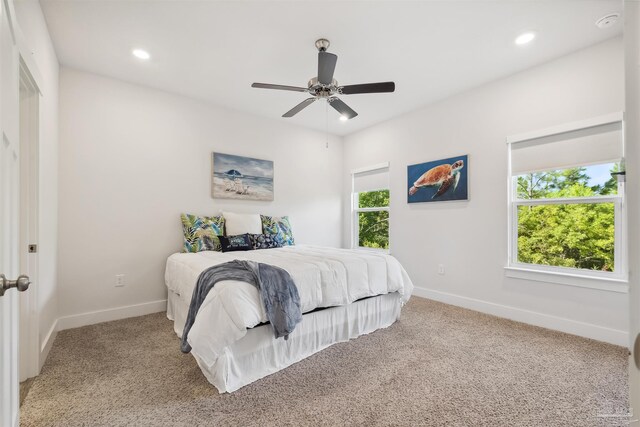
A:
[324, 86]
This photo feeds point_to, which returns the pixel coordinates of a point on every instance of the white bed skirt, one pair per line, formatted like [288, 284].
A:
[259, 354]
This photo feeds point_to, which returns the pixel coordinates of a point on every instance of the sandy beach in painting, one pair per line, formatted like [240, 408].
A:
[248, 188]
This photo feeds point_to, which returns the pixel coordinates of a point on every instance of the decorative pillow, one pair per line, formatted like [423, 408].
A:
[279, 227]
[237, 223]
[264, 241]
[240, 242]
[201, 233]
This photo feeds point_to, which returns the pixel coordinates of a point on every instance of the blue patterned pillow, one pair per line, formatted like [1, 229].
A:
[279, 227]
[264, 241]
[201, 233]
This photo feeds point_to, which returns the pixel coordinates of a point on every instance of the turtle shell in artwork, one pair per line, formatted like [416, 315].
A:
[434, 176]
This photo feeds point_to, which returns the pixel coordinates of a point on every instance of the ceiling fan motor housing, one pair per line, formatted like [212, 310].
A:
[319, 90]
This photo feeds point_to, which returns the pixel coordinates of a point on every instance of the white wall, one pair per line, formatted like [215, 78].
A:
[36, 36]
[470, 238]
[133, 158]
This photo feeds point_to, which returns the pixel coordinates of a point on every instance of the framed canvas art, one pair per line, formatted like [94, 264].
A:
[438, 180]
[241, 178]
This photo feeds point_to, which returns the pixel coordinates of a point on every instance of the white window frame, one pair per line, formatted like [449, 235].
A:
[355, 210]
[616, 281]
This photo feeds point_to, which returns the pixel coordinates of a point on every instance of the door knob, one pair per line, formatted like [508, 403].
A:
[21, 283]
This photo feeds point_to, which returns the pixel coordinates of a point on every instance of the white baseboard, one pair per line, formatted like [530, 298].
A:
[574, 327]
[93, 317]
[47, 343]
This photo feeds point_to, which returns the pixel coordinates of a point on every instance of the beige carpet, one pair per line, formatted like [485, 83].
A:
[439, 366]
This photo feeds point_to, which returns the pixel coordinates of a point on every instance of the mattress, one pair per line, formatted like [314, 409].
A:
[325, 277]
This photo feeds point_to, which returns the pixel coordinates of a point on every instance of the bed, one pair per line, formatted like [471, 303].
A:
[343, 295]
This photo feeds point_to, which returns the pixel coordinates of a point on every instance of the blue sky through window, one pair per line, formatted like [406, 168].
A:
[599, 174]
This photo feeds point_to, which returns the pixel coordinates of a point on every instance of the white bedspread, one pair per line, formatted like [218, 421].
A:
[325, 277]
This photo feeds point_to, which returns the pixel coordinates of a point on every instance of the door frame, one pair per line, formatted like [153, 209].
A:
[29, 329]
[631, 36]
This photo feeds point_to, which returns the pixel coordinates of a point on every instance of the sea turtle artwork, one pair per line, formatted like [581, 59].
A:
[442, 176]
[438, 180]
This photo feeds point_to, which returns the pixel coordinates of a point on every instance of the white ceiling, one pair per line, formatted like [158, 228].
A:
[215, 50]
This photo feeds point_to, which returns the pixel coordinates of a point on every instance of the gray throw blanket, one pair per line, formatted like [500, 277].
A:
[277, 291]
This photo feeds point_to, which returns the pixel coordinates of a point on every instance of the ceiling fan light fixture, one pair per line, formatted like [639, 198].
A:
[343, 118]
[525, 38]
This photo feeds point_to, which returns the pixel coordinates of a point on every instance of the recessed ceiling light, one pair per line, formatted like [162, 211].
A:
[525, 38]
[344, 118]
[141, 54]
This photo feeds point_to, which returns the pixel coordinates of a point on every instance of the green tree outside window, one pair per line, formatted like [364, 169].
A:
[580, 235]
[373, 226]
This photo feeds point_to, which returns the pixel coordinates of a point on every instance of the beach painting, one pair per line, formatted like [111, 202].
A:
[241, 178]
[438, 181]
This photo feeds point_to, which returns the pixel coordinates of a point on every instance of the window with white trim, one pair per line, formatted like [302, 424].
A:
[370, 207]
[566, 196]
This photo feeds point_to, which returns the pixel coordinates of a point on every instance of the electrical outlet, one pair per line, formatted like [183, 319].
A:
[119, 280]
[441, 269]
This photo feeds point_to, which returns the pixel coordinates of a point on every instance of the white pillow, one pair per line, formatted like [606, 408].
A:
[237, 223]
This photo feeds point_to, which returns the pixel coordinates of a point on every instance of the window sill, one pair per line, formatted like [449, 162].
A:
[610, 284]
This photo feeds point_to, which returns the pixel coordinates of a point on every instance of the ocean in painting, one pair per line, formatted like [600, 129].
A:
[242, 178]
[428, 193]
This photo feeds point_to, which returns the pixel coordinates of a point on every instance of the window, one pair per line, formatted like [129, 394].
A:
[370, 207]
[567, 201]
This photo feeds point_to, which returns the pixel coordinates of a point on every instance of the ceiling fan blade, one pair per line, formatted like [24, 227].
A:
[368, 88]
[342, 108]
[326, 67]
[278, 87]
[295, 110]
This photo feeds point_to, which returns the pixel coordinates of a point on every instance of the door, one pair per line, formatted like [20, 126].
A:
[9, 225]
[9, 393]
